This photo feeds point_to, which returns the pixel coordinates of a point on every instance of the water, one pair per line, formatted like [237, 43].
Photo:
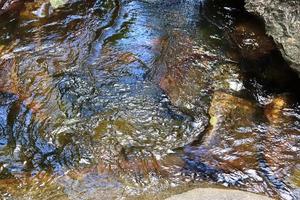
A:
[116, 99]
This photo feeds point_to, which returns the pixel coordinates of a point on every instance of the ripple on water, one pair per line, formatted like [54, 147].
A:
[115, 99]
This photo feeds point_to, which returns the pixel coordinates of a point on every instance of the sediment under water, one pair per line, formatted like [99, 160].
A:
[114, 99]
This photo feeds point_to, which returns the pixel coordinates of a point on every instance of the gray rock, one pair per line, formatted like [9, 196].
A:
[282, 19]
[217, 194]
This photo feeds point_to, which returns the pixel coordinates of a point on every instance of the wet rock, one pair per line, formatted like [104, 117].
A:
[10, 6]
[126, 176]
[217, 194]
[228, 147]
[228, 77]
[231, 117]
[280, 144]
[282, 20]
[226, 107]
[36, 9]
[237, 149]
[58, 3]
[250, 39]
[42, 8]
[30, 9]
[9, 80]
[274, 110]
[295, 177]
[190, 77]
[34, 187]
[185, 77]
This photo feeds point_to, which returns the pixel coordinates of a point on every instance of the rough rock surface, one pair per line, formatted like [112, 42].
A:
[282, 19]
[217, 194]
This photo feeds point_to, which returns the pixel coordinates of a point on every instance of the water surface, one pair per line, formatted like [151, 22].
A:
[115, 99]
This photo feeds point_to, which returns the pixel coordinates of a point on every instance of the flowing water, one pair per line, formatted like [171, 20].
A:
[114, 99]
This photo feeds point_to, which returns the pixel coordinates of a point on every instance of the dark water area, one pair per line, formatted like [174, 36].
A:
[124, 99]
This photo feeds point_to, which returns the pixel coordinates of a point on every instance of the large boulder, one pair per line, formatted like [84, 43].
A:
[282, 19]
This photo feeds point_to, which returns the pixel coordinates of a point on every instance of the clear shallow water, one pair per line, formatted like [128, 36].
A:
[114, 99]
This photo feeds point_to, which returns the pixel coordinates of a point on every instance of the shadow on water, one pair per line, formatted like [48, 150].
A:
[110, 99]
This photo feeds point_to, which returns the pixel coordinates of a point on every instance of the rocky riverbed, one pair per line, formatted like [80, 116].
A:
[112, 99]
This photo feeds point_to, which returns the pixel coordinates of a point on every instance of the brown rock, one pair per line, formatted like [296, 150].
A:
[281, 144]
[10, 6]
[229, 139]
[274, 110]
[250, 40]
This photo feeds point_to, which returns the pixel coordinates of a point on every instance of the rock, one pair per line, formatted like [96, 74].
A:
[11, 83]
[282, 20]
[58, 3]
[282, 133]
[295, 178]
[250, 39]
[217, 194]
[237, 151]
[231, 117]
[9, 80]
[229, 144]
[224, 108]
[186, 77]
[274, 110]
[10, 6]
[34, 187]
[190, 77]
[43, 10]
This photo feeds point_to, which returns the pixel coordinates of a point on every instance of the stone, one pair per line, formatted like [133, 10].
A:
[58, 3]
[231, 117]
[282, 133]
[250, 39]
[295, 178]
[10, 6]
[224, 108]
[217, 194]
[274, 110]
[282, 20]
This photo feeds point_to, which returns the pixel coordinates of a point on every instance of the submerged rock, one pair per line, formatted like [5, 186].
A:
[282, 19]
[296, 177]
[229, 145]
[231, 117]
[250, 39]
[274, 110]
[237, 148]
[10, 6]
[41, 8]
[281, 144]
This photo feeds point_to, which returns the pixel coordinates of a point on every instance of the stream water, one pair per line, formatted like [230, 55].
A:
[135, 99]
